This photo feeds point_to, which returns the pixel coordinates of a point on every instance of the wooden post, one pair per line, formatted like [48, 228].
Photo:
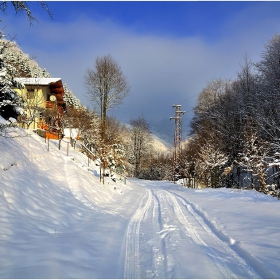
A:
[48, 144]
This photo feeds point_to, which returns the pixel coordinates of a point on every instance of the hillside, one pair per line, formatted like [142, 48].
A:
[160, 145]
[58, 221]
[164, 129]
[158, 140]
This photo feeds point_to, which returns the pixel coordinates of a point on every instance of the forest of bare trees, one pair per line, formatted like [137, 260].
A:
[236, 127]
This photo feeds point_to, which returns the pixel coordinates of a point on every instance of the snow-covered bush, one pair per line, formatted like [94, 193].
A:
[210, 164]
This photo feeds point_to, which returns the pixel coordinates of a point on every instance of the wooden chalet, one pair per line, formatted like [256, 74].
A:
[43, 104]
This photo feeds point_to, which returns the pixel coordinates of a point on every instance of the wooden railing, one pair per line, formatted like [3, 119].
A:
[50, 104]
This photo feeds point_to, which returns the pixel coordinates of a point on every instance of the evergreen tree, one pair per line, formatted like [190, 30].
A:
[24, 66]
[10, 104]
[70, 98]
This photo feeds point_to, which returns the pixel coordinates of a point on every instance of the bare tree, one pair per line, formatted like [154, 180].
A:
[141, 138]
[106, 86]
[267, 112]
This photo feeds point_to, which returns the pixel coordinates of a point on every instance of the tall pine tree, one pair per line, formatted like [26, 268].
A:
[10, 104]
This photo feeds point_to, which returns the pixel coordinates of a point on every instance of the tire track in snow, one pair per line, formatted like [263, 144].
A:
[153, 250]
[197, 238]
[132, 254]
[254, 268]
[159, 264]
[163, 207]
[164, 236]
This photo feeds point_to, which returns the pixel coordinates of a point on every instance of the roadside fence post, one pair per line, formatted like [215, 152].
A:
[67, 148]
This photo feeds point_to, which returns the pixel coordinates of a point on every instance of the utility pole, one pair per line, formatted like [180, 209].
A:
[177, 154]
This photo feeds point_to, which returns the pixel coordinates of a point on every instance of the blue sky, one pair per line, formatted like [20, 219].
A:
[167, 50]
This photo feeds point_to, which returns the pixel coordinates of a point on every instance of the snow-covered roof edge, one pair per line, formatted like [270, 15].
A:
[37, 81]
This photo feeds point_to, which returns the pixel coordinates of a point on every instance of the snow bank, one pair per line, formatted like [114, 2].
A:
[51, 207]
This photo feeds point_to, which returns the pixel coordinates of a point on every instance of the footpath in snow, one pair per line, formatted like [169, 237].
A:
[58, 221]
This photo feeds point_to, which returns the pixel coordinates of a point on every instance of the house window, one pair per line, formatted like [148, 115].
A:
[30, 94]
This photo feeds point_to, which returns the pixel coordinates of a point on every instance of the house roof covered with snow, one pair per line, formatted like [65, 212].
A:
[38, 81]
[55, 85]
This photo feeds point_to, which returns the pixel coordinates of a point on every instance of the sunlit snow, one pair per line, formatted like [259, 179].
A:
[58, 221]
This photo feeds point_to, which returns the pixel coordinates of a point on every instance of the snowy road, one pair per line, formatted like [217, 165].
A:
[166, 234]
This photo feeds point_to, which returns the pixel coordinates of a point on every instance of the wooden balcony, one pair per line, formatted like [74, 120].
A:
[55, 105]
[50, 104]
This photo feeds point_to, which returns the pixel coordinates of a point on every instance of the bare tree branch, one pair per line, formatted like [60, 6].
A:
[22, 7]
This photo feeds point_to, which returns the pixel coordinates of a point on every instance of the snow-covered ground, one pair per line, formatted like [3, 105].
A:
[58, 221]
